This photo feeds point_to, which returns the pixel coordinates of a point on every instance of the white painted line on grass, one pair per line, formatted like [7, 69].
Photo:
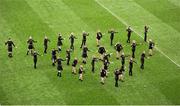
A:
[125, 23]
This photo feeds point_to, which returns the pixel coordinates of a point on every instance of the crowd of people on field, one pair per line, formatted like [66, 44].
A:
[104, 55]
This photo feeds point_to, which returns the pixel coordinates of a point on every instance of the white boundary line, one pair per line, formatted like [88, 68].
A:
[124, 22]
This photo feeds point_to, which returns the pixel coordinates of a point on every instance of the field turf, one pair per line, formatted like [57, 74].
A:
[158, 84]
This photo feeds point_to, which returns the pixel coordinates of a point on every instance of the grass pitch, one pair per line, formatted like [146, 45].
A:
[20, 84]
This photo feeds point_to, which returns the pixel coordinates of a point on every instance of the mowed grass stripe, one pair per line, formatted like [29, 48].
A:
[175, 2]
[24, 75]
[8, 74]
[168, 12]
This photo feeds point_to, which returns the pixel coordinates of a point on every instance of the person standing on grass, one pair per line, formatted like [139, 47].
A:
[10, 44]
[106, 67]
[112, 33]
[59, 66]
[133, 45]
[98, 37]
[143, 56]
[122, 73]
[71, 38]
[101, 51]
[81, 71]
[84, 35]
[94, 60]
[146, 28]
[129, 30]
[116, 76]
[84, 54]
[118, 48]
[30, 42]
[59, 42]
[46, 40]
[151, 47]
[131, 61]
[74, 64]
[68, 56]
[35, 58]
[106, 62]
[54, 57]
[103, 76]
[123, 57]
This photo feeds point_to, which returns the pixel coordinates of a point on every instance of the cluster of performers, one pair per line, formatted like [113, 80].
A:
[104, 56]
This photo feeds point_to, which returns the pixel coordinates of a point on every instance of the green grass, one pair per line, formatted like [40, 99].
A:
[20, 84]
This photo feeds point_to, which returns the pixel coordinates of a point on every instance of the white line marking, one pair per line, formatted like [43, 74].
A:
[124, 22]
